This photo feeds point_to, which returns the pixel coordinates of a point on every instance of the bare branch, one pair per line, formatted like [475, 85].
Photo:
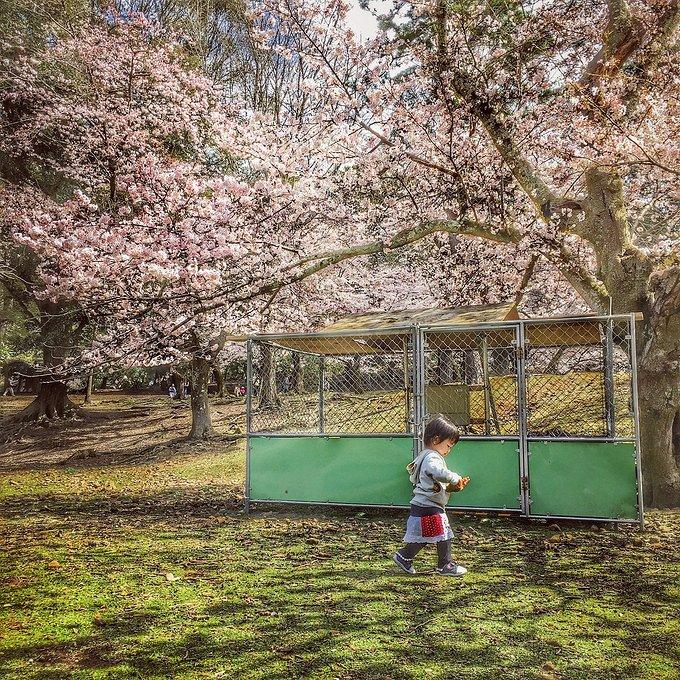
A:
[584, 282]
[524, 283]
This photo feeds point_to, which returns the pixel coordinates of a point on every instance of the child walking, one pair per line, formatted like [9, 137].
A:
[433, 482]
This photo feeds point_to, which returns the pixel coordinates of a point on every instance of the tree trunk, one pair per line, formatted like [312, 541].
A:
[659, 397]
[269, 397]
[633, 282]
[219, 379]
[446, 370]
[176, 380]
[88, 389]
[51, 402]
[354, 382]
[59, 332]
[470, 375]
[201, 422]
[554, 363]
[298, 375]
[501, 361]
[104, 382]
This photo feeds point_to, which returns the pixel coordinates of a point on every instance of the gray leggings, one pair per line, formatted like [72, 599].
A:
[443, 551]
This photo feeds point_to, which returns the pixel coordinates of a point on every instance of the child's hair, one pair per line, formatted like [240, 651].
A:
[439, 429]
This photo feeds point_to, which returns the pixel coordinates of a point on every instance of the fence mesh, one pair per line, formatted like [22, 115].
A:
[343, 385]
[577, 374]
[578, 379]
[471, 378]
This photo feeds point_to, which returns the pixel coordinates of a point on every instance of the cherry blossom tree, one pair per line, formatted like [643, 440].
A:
[545, 128]
[173, 213]
[52, 123]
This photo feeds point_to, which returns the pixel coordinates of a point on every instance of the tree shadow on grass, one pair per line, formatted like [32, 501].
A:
[108, 437]
[97, 651]
[309, 638]
[206, 501]
[299, 594]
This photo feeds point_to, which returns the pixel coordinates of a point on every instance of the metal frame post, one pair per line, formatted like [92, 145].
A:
[407, 387]
[485, 379]
[609, 408]
[249, 404]
[418, 388]
[489, 404]
[322, 385]
[523, 419]
[636, 417]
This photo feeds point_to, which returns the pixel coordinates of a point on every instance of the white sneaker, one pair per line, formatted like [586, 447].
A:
[451, 569]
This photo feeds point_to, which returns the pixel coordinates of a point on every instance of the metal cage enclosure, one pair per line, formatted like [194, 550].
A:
[547, 409]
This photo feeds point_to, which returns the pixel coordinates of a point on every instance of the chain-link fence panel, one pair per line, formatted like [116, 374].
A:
[332, 384]
[621, 377]
[578, 379]
[470, 377]
[285, 390]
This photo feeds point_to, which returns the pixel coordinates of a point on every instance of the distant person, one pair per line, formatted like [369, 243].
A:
[172, 392]
[11, 384]
[243, 391]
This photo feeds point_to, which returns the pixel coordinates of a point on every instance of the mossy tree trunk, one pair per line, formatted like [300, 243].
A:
[635, 285]
[60, 331]
[219, 379]
[178, 382]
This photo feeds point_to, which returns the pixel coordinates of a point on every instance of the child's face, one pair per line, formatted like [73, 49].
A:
[444, 447]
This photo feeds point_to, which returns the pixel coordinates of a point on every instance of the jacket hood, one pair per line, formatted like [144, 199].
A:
[414, 465]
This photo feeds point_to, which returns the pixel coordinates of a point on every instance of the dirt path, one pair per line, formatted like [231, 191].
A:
[117, 428]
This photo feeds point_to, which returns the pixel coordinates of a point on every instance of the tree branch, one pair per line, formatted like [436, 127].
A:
[21, 300]
[583, 281]
[524, 283]
[544, 199]
[413, 234]
[622, 35]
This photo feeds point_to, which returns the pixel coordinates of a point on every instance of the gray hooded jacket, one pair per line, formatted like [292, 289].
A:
[429, 475]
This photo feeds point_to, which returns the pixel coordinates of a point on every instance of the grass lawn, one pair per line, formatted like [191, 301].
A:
[122, 568]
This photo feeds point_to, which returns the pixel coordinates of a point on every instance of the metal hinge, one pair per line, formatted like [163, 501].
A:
[525, 483]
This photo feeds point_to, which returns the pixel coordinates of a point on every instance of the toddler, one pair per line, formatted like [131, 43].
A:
[433, 483]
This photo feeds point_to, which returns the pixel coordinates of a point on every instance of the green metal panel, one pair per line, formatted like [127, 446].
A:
[363, 470]
[583, 479]
[493, 468]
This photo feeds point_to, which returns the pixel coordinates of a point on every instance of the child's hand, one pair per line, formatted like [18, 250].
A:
[459, 486]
